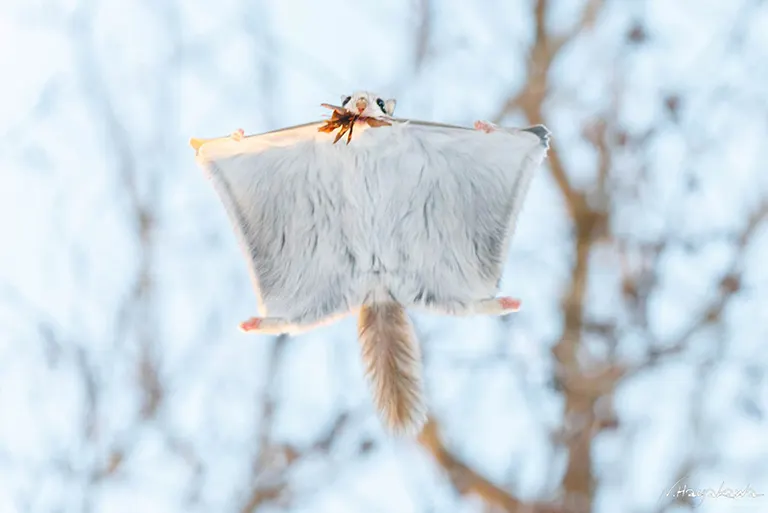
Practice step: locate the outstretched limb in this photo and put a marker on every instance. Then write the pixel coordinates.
(491, 306)
(265, 325)
(486, 126)
(237, 135)
(539, 131)
(278, 325)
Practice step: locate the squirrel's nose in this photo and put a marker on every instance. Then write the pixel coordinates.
(361, 104)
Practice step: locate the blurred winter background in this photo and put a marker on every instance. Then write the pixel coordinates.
(639, 359)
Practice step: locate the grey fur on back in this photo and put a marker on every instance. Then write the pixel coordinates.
(423, 213)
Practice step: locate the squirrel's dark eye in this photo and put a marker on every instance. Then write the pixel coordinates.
(346, 101)
(380, 103)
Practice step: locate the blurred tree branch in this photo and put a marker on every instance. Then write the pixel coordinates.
(587, 384)
(467, 481)
(729, 286)
(588, 391)
(581, 391)
(578, 481)
(423, 33)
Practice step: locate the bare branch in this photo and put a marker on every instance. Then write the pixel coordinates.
(423, 33)
(464, 479)
(730, 284)
(467, 481)
(284, 458)
(531, 98)
(587, 20)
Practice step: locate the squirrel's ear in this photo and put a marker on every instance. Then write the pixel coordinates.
(389, 106)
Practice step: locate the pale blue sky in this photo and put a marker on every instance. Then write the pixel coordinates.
(100, 98)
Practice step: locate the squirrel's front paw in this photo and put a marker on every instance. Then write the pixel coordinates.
(486, 126)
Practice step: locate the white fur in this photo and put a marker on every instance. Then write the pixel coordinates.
(419, 213)
(412, 215)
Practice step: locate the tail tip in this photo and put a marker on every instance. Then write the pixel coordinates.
(407, 428)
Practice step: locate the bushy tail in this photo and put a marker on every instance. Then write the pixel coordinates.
(392, 361)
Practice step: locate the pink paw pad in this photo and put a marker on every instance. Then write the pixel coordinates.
(485, 126)
(508, 303)
(238, 134)
(251, 324)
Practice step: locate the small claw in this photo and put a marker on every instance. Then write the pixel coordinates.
(509, 303)
(238, 134)
(251, 324)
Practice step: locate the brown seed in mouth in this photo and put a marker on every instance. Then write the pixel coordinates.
(345, 121)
